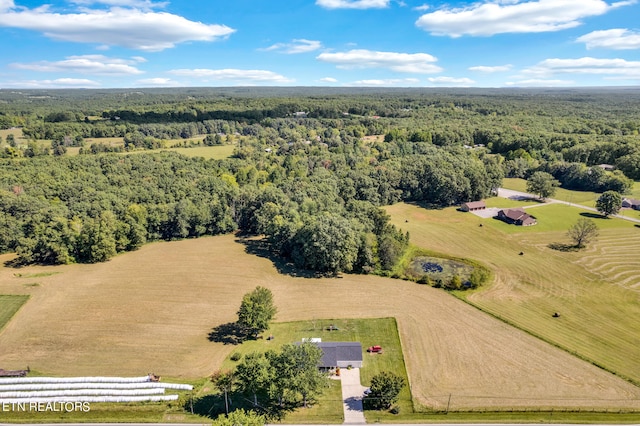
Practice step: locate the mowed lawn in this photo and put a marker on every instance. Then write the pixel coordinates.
(9, 305)
(152, 311)
(585, 198)
(595, 291)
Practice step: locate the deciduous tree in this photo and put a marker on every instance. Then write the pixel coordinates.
(609, 203)
(385, 389)
(583, 232)
(542, 184)
(256, 310)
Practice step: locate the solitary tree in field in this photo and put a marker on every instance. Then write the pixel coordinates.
(583, 232)
(542, 184)
(609, 203)
(256, 310)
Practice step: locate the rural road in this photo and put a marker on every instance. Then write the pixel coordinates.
(517, 195)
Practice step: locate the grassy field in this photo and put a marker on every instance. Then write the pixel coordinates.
(595, 290)
(9, 305)
(152, 311)
(208, 152)
(585, 198)
(17, 133)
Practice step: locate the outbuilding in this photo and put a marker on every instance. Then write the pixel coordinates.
(473, 206)
(630, 203)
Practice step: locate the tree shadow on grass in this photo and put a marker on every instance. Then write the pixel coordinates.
(593, 215)
(563, 247)
(261, 248)
(229, 334)
(212, 406)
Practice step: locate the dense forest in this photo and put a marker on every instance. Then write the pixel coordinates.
(310, 169)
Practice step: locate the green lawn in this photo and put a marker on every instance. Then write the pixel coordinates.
(9, 305)
(368, 332)
(585, 198)
(556, 217)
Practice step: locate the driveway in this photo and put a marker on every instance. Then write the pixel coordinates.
(516, 195)
(352, 393)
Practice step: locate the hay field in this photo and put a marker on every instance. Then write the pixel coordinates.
(151, 311)
(595, 291)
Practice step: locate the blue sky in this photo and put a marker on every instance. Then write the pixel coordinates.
(386, 43)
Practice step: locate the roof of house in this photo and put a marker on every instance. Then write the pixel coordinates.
(518, 215)
(514, 214)
(632, 201)
(332, 352)
(475, 204)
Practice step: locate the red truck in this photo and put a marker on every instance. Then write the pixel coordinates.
(374, 349)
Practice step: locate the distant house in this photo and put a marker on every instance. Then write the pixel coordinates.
(607, 167)
(630, 203)
(473, 206)
(516, 217)
(340, 354)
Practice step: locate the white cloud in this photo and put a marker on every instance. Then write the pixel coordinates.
(158, 82)
(328, 80)
(296, 46)
(585, 66)
(249, 76)
(6, 5)
(87, 64)
(387, 82)
(451, 81)
(420, 63)
(125, 27)
(59, 83)
(617, 39)
(498, 68)
(515, 16)
(142, 4)
(422, 8)
(540, 83)
(353, 4)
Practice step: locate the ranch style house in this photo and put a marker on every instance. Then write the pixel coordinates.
(340, 354)
(516, 217)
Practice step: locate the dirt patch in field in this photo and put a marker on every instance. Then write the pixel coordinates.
(152, 310)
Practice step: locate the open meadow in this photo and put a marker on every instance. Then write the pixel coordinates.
(152, 311)
(596, 291)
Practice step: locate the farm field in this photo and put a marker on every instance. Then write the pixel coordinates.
(152, 310)
(594, 290)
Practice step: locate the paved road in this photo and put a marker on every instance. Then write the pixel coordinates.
(517, 195)
(352, 393)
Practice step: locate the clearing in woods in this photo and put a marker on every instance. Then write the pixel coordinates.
(152, 311)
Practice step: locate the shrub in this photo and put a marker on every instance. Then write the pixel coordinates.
(236, 356)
